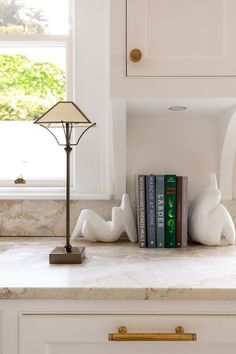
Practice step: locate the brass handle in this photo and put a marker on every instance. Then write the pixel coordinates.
(135, 55)
(179, 335)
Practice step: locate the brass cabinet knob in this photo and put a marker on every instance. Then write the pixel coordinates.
(122, 329)
(135, 55)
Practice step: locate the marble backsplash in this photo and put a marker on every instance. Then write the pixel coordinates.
(47, 217)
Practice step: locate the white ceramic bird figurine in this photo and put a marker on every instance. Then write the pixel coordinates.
(94, 228)
(208, 219)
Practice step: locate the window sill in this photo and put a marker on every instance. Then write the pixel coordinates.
(48, 195)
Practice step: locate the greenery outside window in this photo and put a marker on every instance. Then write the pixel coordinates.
(36, 61)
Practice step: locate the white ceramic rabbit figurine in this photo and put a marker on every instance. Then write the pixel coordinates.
(208, 219)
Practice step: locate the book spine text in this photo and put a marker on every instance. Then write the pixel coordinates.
(141, 210)
(160, 211)
(151, 210)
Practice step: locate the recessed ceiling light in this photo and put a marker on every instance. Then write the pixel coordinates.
(177, 108)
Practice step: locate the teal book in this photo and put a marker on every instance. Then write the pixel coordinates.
(151, 210)
(170, 211)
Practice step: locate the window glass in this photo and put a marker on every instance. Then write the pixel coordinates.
(30, 152)
(33, 77)
(34, 17)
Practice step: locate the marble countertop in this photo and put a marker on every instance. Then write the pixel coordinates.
(118, 271)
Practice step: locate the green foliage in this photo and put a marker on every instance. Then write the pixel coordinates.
(28, 88)
(10, 12)
(14, 29)
(43, 78)
(16, 106)
(16, 18)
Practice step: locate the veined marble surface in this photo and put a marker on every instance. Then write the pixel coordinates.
(117, 271)
(47, 217)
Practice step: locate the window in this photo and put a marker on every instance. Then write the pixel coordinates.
(36, 61)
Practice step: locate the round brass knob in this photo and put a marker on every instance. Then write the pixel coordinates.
(179, 330)
(135, 55)
(122, 329)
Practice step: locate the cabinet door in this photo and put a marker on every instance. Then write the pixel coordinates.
(182, 37)
(88, 334)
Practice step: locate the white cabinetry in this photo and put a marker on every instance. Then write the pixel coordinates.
(188, 53)
(73, 333)
(182, 37)
(71, 327)
(188, 48)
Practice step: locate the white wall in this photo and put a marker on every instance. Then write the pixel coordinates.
(181, 145)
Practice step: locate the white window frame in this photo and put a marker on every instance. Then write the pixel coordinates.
(89, 76)
(46, 189)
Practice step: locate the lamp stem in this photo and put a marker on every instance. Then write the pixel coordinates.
(68, 150)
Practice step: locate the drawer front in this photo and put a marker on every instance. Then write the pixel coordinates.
(88, 334)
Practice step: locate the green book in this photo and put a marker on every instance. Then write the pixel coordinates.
(170, 211)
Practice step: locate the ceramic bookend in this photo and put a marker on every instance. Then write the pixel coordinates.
(208, 219)
(94, 228)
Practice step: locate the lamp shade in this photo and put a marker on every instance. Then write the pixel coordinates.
(61, 113)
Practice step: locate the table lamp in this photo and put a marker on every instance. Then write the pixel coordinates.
(68, 116)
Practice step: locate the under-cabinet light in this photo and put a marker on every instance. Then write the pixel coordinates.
(177, 108)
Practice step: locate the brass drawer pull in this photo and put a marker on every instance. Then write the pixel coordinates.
(135, 55)
(179, 335)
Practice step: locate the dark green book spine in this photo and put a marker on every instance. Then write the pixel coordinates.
(170, 211)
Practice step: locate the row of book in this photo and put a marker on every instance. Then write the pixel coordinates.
(162, 210)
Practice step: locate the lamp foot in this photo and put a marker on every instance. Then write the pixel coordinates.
(60, 256)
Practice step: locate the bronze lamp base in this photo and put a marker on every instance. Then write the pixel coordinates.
(60, 256)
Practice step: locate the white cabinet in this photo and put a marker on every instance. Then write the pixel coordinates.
(188, 53)
(83, 326)
(182, 37)
(74, 333)
(188, 48)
